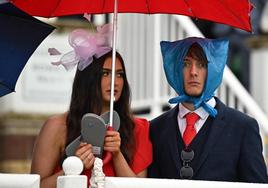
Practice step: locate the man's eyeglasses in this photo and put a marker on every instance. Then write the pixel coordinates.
(186, 171)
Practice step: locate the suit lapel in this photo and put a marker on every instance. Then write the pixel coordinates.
(174, 143)
(216, 128)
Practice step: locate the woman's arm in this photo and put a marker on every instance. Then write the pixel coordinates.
(122, 168)
(112, 144)
(48, 148)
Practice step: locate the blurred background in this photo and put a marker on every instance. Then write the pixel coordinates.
(43, 89)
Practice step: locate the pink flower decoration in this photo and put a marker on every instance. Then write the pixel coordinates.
(86, 45)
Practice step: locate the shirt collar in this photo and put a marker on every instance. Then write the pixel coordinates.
(202, 113)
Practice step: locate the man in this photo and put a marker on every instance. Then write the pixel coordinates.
(201, 138)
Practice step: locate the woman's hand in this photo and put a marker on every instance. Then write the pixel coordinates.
(84, 152)
(112, 142)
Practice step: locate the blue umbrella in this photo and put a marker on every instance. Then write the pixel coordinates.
(20, 35)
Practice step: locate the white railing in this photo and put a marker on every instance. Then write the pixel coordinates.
(115, 182)
(73, 166)
(19, 180)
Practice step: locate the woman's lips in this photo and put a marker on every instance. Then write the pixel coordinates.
(109, 91)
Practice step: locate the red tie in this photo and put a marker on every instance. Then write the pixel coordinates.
(190, 131)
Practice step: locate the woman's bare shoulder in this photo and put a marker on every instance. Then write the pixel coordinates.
(55, 127)
(49, 145)
(56, 120)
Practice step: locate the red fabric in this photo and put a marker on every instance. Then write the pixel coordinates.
(230, 12)
(190, 131)
(142, 156)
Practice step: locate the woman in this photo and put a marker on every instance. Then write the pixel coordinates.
(130, 147)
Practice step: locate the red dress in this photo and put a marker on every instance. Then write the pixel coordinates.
(142, 156)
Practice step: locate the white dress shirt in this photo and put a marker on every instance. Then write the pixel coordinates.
(200, 111)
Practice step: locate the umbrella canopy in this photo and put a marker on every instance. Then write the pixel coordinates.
(20, 35)
(230, 12)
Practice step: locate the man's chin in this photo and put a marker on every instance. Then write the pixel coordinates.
(194, 94)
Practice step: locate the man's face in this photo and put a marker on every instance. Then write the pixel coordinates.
(194, 74)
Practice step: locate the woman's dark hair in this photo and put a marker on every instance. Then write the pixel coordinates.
(87, 98)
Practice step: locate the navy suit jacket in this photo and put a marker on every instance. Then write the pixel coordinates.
(227, 148)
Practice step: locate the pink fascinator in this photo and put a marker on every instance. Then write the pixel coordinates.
(86, 45)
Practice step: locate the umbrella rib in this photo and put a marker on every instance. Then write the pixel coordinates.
(53, 12)
(147, 5)
(189, 8)
(103, 4)
(233, 13)
(5, 85)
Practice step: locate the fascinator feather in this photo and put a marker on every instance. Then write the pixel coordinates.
(86, 45)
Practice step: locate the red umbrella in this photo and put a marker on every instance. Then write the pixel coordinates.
(231, 12)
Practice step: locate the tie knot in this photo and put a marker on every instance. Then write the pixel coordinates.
(191, 118)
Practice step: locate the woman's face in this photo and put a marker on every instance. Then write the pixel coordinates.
(106, 80)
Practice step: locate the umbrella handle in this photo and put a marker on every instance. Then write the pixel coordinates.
(107, 156)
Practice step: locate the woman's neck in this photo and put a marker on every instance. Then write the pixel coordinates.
(105, 108)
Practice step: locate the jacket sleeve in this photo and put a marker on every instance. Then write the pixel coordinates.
(252, 167)
(143, 155)
(153, 171)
